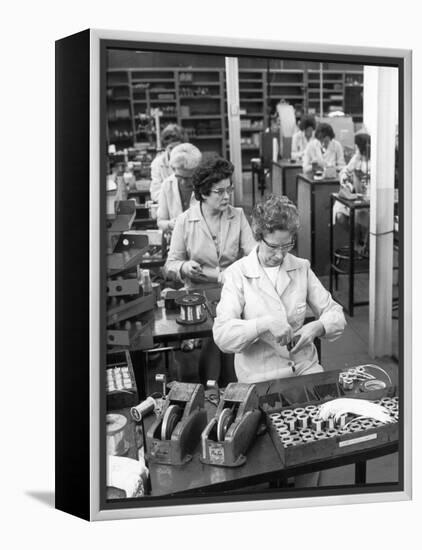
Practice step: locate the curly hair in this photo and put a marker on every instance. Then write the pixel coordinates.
(210, 171)
(324, 130)
(185, 156)
(363, 143)
(173, 133)
(276, 213)
(307, 121)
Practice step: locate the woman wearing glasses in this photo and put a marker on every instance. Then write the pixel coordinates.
(211, 234)
(263, 303)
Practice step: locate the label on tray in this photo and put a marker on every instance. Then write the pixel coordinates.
(356, 440)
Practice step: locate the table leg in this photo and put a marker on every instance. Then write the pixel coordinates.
(360, 472)
(351, 261)
(331, 243)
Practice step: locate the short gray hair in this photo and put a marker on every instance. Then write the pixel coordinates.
(276, 213)
(185, 157)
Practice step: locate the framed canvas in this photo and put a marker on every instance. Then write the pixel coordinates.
(178, 388)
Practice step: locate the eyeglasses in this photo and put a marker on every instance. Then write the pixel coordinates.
(220, 192)
(283, 247)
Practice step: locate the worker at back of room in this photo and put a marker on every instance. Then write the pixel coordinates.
(323, 151)
(264, 300)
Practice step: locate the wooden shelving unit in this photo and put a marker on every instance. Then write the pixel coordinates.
(196, 99)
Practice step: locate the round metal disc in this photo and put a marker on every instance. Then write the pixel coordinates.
(224, 421)
(171, 418)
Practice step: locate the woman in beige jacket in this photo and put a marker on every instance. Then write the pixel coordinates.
(211, 234)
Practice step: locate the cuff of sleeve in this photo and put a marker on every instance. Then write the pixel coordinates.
(331, 329)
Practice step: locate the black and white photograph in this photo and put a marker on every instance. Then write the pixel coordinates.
(251, 284)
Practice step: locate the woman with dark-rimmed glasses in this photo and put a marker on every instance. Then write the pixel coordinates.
(211, 234)
(263, 303)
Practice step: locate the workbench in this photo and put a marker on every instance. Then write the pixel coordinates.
(283, 178)
(263, 462)
(313, 204)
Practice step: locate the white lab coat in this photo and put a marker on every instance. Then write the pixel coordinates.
(248, 294)
(332, 156)
(170, 203)
(299, 144)
(160, 170)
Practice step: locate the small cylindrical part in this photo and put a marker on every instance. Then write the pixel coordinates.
(330, 423)
(144, 408)
(302, 421)
(320, 435)
(299, 411)
(347, 383)
(291, 423)
(342, 420)
(331, 433)
(288, 413)
(310, 408)
(317, 424)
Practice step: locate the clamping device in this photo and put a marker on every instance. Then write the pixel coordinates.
(229, 434)
(177, 429)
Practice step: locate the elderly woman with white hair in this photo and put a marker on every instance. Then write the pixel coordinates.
(176, 194)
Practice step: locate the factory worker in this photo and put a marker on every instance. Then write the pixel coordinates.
(301, 138)
(323, 151)
(264, 298)
(211, 234)
(207, 238)
(176, 194)
(355, 178)
(171, 136)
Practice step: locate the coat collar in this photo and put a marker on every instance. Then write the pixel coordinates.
(252, 269)
(195, 214)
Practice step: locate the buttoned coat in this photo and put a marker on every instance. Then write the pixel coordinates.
(170, 203)
(192, 240)
(248, 294)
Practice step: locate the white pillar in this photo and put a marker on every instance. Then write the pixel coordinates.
(233, 115)
(380, 118)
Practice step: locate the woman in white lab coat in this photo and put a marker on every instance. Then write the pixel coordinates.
(264, 300)
(176, 194)
(207, 238)
(172, 135)
(323, 151)
(301, 138)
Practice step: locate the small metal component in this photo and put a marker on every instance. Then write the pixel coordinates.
(170, 419)
(283, 430)
(352, 373)
(317, 424)
(291, 423)
(331, 433)
(296, 440)
(294, 433)
(348, 383)
(299, 411)
(275, 416)
(163, 379)
(310, 408)
(288, 444)
(286, 438)
(305, 431)
(343, 375)
(320, 435)
(330, 423)
(223, 424)
(342, 420)
(360, 370)
(213, 385)
(288, 413)
(302, 421)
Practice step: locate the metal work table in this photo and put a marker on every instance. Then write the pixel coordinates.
(283, 178)
(352, 256)
(263, 462)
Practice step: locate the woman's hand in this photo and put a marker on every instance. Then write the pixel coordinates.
(171, 224)
(192, 270)
(306, 335)
(279, 328)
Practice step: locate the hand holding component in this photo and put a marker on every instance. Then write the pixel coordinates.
(279, 328)
(306, 335)
(192, 269)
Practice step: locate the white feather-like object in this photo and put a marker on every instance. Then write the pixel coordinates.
(359, 407)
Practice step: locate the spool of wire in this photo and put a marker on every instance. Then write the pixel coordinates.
(331, 423)
(299, 411)
(302, 421)
(192, 311)
(342, 420)
(317, 424)
(288, 413)
(142, 409)
(115, 430)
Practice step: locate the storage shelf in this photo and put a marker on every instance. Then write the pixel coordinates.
(200, 117)
(207, 136)
(199, 96)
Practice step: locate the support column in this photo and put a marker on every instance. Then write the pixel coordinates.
(233, 115)
(380, 118)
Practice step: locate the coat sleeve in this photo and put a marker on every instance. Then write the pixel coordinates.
(247, 242)
(308, 157)
(329, 312)
(156, 179)
(163, 213)
(232, 334)
(177, 253)
(340, 162)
